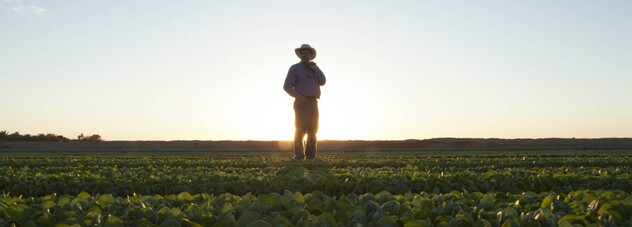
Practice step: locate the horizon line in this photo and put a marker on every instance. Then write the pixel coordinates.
(434, 138)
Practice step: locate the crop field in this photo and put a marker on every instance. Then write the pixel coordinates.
(512, 188)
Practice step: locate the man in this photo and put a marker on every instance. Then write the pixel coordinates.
(303, 82)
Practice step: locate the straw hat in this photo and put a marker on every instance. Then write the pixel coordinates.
(305, 47)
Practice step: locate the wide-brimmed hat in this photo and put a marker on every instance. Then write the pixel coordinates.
(305, 47)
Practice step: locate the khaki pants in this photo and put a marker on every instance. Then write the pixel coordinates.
(306, 122)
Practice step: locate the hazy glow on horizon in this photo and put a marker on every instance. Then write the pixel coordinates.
(214, 70)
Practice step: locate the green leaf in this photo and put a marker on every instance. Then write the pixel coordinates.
(170, 223)
(416, 223)
(286, 202)
(226, 209)
(15, 212)
(607, 206)
(372, 207)
(163, 211)
(63, 201)
(259, 223)
(247, 218)
(105, 200)
(483, 223)
(267, 199)
(48, 205)
(83, 195)
(564, 223)
(143, 222)
(574, 219)
(546, 203)
(281, 221)
(442, 218)
(326, 220)
(176, 212)
(300, 216)
(511, 223)
(30, 223)
(392, 207)
(113, 221)
(191, 223)
(185, 196)
(386, 221)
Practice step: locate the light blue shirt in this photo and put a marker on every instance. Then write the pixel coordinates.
(301, 80)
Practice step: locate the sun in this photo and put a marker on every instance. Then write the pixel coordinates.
(274, 120)
(265, 111)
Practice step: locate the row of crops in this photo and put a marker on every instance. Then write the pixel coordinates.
(409, 190)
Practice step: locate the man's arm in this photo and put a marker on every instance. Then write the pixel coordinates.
(288, 86)
(320, 76)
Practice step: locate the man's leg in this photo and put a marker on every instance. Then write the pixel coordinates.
(298, 145)
(311, 147)
(300, 123)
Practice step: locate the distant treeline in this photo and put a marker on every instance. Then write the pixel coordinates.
(16, 136)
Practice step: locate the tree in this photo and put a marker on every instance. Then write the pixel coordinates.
(94, 137)
(16, 136)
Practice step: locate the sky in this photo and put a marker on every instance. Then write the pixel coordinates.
(214, 70)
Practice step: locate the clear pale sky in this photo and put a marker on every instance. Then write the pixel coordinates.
(214, 70)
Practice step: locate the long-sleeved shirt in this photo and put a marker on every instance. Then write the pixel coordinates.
(301, 80)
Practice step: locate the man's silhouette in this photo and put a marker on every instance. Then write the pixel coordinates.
(303, 82)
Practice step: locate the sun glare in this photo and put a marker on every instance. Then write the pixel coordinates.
(271, 116)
